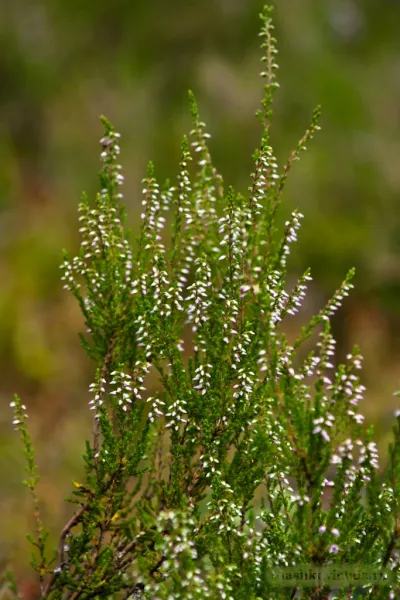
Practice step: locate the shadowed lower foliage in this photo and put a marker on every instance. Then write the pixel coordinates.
(254, 454)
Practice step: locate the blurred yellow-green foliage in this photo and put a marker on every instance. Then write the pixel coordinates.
(64, 62)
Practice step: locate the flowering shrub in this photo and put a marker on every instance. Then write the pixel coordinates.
(253, 455)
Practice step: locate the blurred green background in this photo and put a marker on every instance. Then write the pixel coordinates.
(65, 62)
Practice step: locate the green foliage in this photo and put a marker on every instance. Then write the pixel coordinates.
(197, 491)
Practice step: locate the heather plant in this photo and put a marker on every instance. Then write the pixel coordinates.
(253, 455)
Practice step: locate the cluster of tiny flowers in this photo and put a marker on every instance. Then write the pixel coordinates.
(321, 423)
(210, 465)
(356, 416)
(230, 226)
(269, 44)
(200, 292)
(244, 289)
(260, 549)
(327, 345)
(273, 553)
(20, 414)
(176, 529)
(175, 295)
(184, 271)
(239, 348)
(249, 553)
(277, 436)
(348, 384)
(102, 231)
(181, 525)
(156, 403)
(231, 311)
(336, 301)
(200, 144)
(328, 483)
(334, 531)
(96, 231)
(142, 335)
(226, 513)
(202, 214)
(164, 293)
(152, 207)
(278, 299)
(356, 360)
(298, 294)
(100, 227)
(344, 450)
(77, 267)
(309, 368)
(284, 489)
(265, 175)
(97, 283)
(208, 178)
(369, 455)
(333, 548)
(128, 266)
(189, 243)
(290, 236)
(175, 413)
(123, 388)
(262, 360)
(159, 283)
(386, 495)
(271, 164)
(142, 368)
(184, 187)
(125, 254)
(108, 156)
(354, 393)
(301, 500)
(153, 220)
(202, 376)
(142, 283)
(245, 386)
(97, 389)
(284, 361)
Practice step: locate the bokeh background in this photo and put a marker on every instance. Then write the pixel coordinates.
(65, 62)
